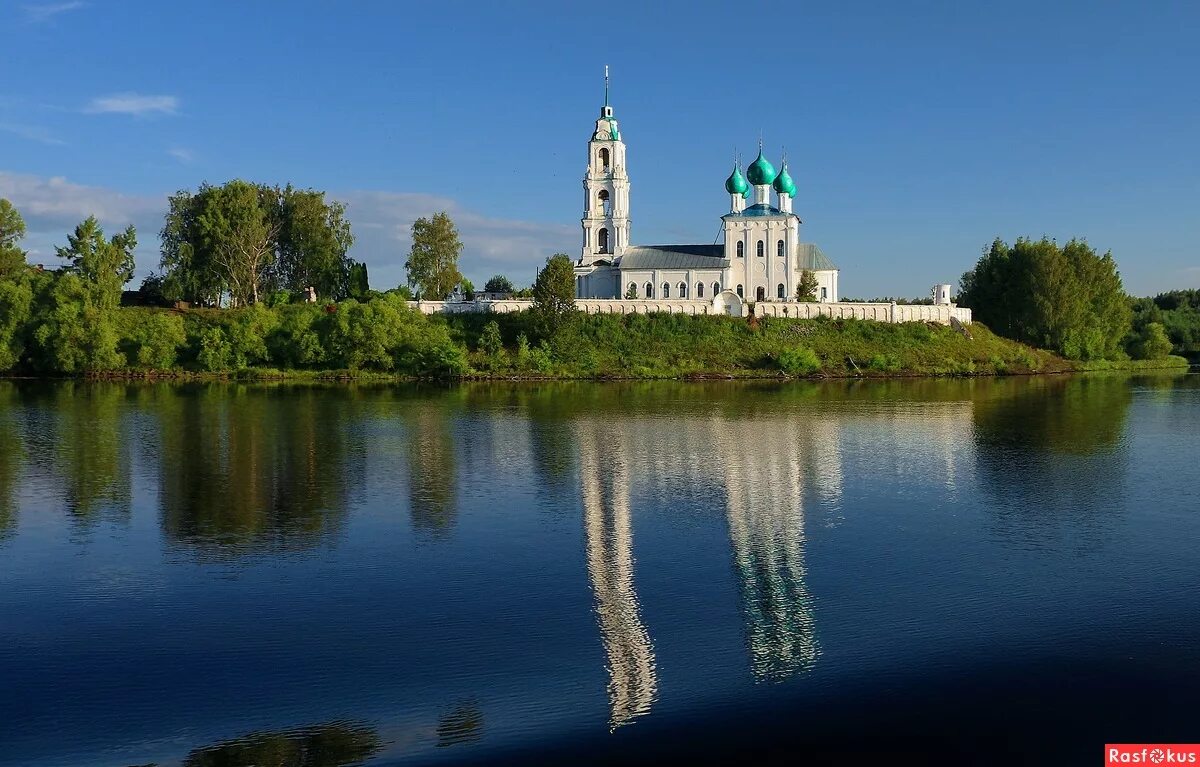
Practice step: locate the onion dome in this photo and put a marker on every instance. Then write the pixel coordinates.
(783, 182)
(761, 171)
(736, 183)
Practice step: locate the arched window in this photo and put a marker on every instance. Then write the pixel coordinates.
(779, 291)
(762, 250)
(716, 288)
(666, 290)
(699, 290)
(606, 204)
(649, 290)
(760, 293)
(779, 248)
(683, 290)
(604, 159)
(739, 292)
(741, 249)
(603, 240)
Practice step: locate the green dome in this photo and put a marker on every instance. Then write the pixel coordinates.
(736, 183)
(783, 182)
(761, 171)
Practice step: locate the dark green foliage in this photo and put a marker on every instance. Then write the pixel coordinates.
(105, 265)
(1068, 299)
(74, 328)
(12, 231)
(357, 282)
(433, 260)
(554, 294)
(248, 240)
(499, 284)
(1178, 312)
(490, 342)
(16, 303)
(806, 289)
(155, 341)
(1151, 343)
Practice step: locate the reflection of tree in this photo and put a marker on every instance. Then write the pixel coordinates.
(253, 467)
(633, 680)
(89, 446)
(463, 724)
(329, 745)
(11, 454)
(765, 468)
(1050, 450)
(431, 467)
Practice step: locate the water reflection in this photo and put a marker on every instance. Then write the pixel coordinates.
(327, 745)
(768, 466)
(432, 481)
(462, 724)
(604, 484)
(245, 468)
(1051, 454)
(12, 450)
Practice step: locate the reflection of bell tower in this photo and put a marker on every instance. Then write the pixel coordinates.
(606, 190)
(633, 680)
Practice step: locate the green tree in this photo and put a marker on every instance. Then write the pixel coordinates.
(189, 270)
(313, 239)
(106, 264)
(16, 301)
(631, 292)
(433, 261)
(554, 294)
(357, 284)
(156, 341)
(1068, 299)
(499, 284)
(1151, 343)
(468, 289)
(806, 289)
(490, 341)
(240, 225)
(74, 330)
(12, 231)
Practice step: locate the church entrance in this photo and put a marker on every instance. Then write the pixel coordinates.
(760, 293)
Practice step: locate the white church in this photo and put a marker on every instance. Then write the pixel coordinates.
(761, 258)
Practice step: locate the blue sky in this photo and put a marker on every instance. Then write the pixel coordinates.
(916, 132)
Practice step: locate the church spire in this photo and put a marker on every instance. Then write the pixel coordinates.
(606, 85)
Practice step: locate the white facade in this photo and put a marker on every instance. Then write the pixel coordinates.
(761, 259)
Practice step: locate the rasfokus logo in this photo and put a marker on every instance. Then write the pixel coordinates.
(1151, 753)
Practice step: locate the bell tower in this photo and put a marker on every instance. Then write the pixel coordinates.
(606, 190)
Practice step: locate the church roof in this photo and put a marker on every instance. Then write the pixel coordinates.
(760, 209)
(810, 257)
(673, 257)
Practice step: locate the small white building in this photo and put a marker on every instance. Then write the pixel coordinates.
(761, 258)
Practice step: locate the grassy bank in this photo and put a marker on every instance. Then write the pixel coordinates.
(385, 341)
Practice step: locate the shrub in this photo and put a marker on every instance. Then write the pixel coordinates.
(1151, 343)
(884, 363)
(156, 341)
(799, 361)
(490, 342)
(215, 352)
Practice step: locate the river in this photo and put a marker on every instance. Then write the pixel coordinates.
(227, 574)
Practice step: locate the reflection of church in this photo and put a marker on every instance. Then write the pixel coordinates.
(766, 530)
(761, 258)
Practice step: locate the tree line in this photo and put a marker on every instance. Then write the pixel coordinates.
(1065, 298)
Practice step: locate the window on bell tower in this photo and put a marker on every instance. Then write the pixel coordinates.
(603, 240)
(605, 202)
(741, 249)
(604, 163)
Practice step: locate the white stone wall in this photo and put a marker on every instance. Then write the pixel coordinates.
(879, 312)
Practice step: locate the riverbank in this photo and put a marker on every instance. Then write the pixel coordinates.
(385, 341)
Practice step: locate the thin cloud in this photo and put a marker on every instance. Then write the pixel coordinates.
(185, 156)
(32, 133)
(135, 104)
(42, 12)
